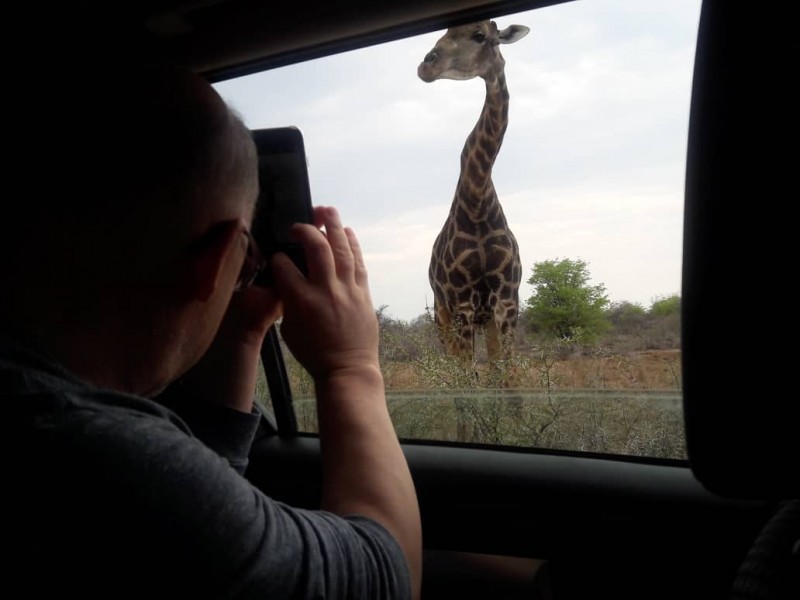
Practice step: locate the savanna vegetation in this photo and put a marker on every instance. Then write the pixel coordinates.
(587, 374)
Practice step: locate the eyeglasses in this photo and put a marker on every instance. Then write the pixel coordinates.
(252, 265)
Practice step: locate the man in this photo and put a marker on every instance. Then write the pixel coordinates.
(128, 271)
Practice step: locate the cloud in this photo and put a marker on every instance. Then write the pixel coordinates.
(397, 252)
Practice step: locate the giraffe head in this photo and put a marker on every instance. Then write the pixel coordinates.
(469, 51)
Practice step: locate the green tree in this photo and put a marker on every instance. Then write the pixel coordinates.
(665, 306)
(563, 305)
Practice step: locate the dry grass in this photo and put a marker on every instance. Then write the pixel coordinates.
(644, 370)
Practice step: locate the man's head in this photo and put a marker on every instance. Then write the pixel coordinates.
(141, 186)
(149, 149)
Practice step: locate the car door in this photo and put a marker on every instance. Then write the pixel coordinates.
(575, 482)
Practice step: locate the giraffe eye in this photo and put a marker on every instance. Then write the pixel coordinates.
(479, 37)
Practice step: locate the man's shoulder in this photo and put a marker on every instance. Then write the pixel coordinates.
(96, 413)
(97, 436)
(100, 448)
(54, 419)
(39, 395)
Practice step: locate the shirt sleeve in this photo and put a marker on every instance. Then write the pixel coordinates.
(227, 431)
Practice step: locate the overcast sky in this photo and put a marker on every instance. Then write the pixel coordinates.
(592, 166)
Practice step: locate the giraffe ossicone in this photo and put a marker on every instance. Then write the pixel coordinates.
(475, 268)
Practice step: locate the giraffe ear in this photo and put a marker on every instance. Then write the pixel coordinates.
(512, 33)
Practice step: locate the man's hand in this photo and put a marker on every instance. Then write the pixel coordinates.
(226, 375)
(250, 314)
(329, 322)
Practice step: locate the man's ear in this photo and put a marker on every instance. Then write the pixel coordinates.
(208, 258)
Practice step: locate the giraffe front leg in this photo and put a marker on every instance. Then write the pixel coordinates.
(455, 332)
(498, 366)
(463, 339)
(500, 339)
(457, 339)
(464, 342)
(449, 329)
(506, 324)
(464, 349)
(493, 345)
(500, 347)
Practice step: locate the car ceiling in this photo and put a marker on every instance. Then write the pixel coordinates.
(229, 38)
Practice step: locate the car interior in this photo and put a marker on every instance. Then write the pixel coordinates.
(566, 524)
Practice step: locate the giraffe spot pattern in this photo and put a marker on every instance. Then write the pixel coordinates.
(457, 278)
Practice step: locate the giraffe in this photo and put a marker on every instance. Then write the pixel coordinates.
(475, 269)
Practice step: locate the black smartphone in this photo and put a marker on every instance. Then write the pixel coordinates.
(284, 196)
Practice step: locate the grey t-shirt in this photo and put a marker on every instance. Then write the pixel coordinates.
(113, 495)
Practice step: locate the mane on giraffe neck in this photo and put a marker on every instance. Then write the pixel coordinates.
(475, 191)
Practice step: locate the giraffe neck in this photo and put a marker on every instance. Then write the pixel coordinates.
(475, 192)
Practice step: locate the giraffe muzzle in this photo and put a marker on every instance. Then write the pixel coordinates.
(426, 70)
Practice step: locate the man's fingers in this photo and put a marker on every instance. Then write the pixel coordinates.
(319, 258)
(319, 216)
(332, 254)
(286, 275)
(358, 257)
(339, 243)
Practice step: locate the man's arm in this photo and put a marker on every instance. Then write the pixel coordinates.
(364, 469)
(330, 326)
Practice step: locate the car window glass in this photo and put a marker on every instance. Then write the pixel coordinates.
(590, 177)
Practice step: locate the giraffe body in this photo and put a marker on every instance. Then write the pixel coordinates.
(475, 269)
